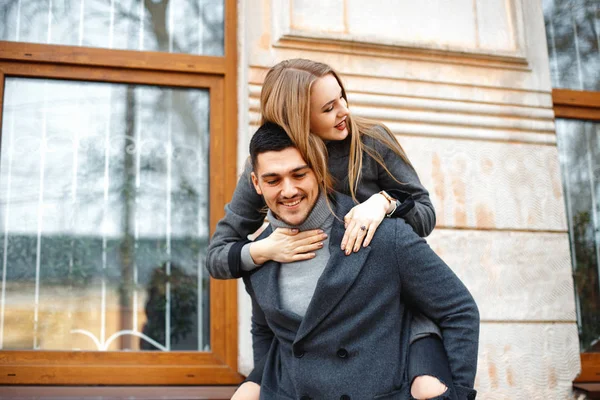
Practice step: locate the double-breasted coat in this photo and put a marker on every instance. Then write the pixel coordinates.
(353, 341)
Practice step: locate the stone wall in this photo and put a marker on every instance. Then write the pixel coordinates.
(465, 87)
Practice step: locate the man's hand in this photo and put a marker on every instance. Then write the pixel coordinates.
(287, 245)
(247, 391)
(362, 222)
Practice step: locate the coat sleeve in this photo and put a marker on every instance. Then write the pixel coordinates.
(243, 216)
(416, 208)
(432, 287)
(262, 337)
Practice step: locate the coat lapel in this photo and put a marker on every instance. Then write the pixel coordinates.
(337, 278)
(264, 285)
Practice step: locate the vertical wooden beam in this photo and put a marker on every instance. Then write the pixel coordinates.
(2, 83)
(230, 163)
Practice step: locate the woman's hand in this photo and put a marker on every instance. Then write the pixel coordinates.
(247, 391)
(287, 245)
(362, 222)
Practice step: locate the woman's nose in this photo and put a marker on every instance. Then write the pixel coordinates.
(343, 110)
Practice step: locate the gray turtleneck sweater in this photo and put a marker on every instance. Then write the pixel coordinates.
(298, 280)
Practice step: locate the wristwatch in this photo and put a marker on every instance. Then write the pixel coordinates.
(391, 200)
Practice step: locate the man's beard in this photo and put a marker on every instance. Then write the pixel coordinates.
(307, 215)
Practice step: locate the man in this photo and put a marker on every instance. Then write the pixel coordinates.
(336, 326)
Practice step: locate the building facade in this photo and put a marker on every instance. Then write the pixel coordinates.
(125, 125)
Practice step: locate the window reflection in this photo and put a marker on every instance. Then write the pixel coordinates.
(174, 26)
(572, 30)
(104, 216)
(579, 152)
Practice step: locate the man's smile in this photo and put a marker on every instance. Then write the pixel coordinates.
(291, 203)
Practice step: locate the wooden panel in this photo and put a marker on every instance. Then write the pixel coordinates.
(135, 368)
(590, 368)
(118, 392)
(2, 84)
(574, 104)
(229, 166)
(104, 74)
(223, 311)
(87, 56)
(592, 390)
(156, 374)
(576, 98)
(574, 112)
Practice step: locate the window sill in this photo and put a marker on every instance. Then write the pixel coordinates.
(118, 392)
(588, 380)
(591, 389)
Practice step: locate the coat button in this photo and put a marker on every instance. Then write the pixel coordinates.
(342, 353)
(299, 353)
(344, 397)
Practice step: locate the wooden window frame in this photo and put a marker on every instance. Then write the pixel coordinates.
(580, 105)
(217, 74)
(575, 104)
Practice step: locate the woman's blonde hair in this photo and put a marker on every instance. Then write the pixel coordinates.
(285, 100)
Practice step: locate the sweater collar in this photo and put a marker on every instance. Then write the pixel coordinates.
(320, 217)
(338, 148)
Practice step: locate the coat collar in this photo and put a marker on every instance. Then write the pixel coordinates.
(337, 278)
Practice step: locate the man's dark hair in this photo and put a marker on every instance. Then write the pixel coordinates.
(269, 137)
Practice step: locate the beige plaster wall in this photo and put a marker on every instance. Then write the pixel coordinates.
(465, 87)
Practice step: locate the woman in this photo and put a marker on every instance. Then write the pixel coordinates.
(309, 101)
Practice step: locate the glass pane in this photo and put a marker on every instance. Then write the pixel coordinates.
(579, 153)
(103, 216)
(572, 31)
(174, 26)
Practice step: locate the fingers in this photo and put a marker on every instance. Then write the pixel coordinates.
(360, 236)
(356, 237)
(297, 247)
(349, 224)
(303, 256)
(370, 233)
(309, 248)
(287, 231)
(316, 233)
(355, 233)
(311, 236)
(348, 217)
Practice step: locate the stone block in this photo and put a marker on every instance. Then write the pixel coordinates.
(524, 276)
(490, 185)
(527, 361)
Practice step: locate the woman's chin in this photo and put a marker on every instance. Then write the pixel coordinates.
(340, 135)
(334, 134)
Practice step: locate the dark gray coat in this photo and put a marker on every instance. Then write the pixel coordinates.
(245, 213)
(354, 337)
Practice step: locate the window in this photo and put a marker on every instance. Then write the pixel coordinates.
(115, 120)
(573, 40)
